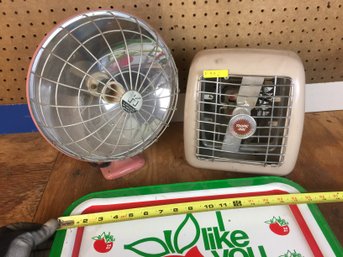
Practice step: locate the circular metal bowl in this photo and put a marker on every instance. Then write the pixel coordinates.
(102, 86)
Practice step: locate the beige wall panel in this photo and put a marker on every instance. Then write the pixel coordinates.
(313, 29)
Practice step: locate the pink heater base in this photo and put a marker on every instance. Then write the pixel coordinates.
(121, 168)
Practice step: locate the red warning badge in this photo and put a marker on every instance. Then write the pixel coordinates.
(242, 126)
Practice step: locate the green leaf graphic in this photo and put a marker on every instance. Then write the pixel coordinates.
(107, 237)
(168, 239)
(282, 222)
(189, 220)
(291, 254)
(133, 247)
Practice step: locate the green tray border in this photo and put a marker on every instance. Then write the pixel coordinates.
(190, 186)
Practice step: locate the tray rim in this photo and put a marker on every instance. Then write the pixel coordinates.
(58, 242)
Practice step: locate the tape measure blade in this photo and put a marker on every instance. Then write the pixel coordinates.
(197, 206)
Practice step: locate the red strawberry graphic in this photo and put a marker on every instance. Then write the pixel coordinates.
(278, 229)
(193, 252)
(279, 226)
(103, 243)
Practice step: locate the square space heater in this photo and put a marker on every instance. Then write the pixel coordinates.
(244, 110)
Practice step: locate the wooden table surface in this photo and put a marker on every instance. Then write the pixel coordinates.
(38, 183)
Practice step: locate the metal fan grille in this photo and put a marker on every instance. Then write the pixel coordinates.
(217, 100)
(102, 86)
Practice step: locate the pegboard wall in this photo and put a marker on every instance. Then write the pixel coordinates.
(313, 29)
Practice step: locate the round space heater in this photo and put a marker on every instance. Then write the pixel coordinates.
(102, 87)
(244, 110)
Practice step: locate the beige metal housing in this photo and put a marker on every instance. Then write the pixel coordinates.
(250, 64)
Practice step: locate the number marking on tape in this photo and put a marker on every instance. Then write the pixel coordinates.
(196, 206)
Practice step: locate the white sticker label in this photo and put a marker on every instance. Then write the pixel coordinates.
(131, 101)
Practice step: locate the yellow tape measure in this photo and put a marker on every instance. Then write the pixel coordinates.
(197, 206)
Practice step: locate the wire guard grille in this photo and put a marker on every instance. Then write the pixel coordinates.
(268, 102)
(102, 86)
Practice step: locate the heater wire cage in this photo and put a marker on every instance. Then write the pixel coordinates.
(102, 86)
(216, 102)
